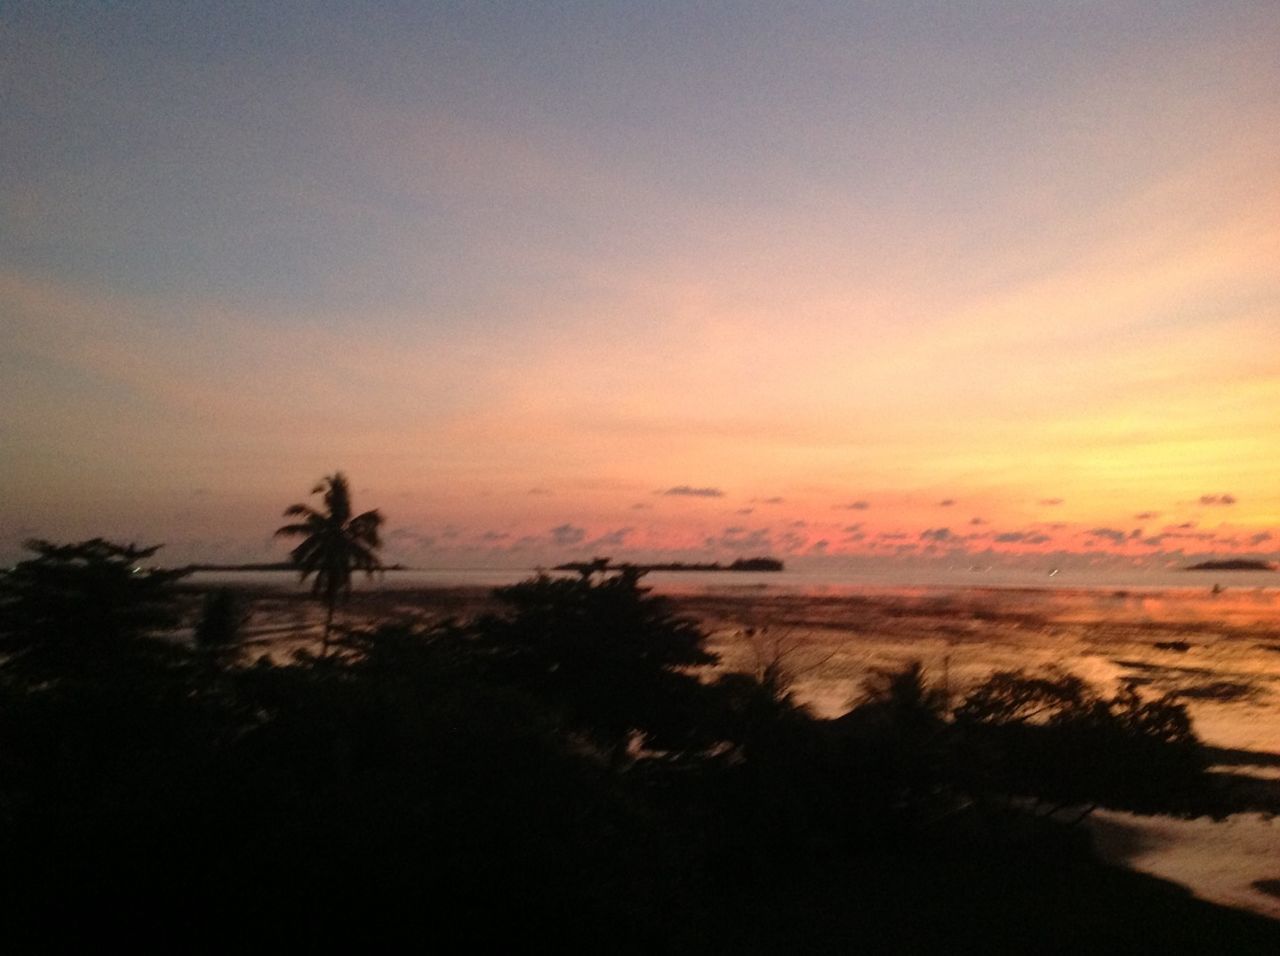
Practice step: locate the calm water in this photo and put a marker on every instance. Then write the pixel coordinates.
(806, 580)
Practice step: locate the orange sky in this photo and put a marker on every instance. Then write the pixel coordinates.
(521, 278)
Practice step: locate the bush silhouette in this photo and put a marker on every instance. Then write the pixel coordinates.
(220, 629)
(610, 655)
(76, 607)
(1054, 738)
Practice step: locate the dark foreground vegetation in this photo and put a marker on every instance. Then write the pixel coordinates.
(572, 771)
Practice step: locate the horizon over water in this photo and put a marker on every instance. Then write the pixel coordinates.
(805, 579)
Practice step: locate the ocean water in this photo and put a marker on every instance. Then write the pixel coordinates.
(809, 580)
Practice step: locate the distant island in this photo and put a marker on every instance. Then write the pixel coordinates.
(267, 566)
(742, 564)
(1233, 565)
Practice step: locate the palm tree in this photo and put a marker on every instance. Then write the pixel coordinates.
(334, 544)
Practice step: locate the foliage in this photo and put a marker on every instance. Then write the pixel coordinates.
(220, 628)
(427, 772)
(897, 747)
(609, 654)
(1054, 738)
(335, 543)
(75, 607)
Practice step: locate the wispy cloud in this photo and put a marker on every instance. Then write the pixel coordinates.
(567, 534)
(737, 538)
(1217, 499)
(612, 539)
(1111, 534)
(1022, 537)
(689, 491)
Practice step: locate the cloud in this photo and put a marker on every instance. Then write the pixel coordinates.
(567, 534)
(409, 538)
(539, 491)
(686, 491)
(946, 502)
(612, 539)
(493, 536)
(1146, 516)
(791, 541)
(819, 547)
(1217, 499)
(798, 524)
(737, 538)
(1260, 537)
(1050, 502)
(892, 536)
(936, 534)
(851, 528)
(744, 511)
(855, 506)
(977, 521)
(640, 506)
(775, 500)
(1111, 534)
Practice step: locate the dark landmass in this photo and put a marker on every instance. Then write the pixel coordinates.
(267, 566)
(741, 564)
(571, 765)
(1237, 564)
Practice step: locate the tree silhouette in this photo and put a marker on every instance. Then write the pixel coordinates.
(334, 544)
(613, 656)
(1055, 738)
(79, 606)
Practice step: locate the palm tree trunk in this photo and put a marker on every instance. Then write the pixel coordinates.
(328, 626)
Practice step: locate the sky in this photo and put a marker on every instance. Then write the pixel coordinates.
(830, 281)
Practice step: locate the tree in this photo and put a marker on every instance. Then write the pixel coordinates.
(220, 629)
(612, 656)
(1054, 738)
(334, 544)
(75, 607)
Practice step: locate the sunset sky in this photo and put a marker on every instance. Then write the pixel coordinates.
(871, 280)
